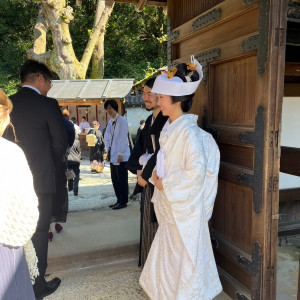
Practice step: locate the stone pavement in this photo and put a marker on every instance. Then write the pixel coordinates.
(95, 190)
(96, 253)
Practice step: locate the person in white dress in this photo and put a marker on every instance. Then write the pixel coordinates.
(18, 217)
(181, 264)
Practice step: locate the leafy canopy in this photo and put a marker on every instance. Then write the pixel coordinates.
(135, 43)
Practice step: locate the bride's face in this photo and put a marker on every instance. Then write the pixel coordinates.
(166, 105)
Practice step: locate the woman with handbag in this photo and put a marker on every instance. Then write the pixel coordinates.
(18, 217)
(96, 144)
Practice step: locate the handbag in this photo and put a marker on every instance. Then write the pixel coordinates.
(108, 154)
(70, 174)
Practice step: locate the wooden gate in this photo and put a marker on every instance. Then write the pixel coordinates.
(241, 46)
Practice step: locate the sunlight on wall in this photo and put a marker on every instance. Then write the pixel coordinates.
(290, 136)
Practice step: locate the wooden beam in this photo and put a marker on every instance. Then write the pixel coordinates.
(290, 160)
(298, 298)
(149, 2)
(81, 102)
(289, 195)
(141, 4)
(292, 89)
(292, 69)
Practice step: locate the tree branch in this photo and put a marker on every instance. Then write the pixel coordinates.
(42, 58)
(40, 31)
(100, 27)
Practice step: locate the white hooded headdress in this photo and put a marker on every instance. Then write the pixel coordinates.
(175, 86)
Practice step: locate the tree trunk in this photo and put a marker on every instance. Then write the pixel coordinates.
(62, 59)
(40, 31)
(98, 54)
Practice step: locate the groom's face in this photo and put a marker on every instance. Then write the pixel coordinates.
(149, 98)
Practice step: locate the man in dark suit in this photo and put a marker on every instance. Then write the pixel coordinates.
(41, 133)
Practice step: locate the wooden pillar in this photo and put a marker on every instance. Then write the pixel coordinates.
(77, 113)
(97, 113)
(298, 298)
(87, 114)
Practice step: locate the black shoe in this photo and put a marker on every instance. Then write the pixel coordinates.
(119, 206)
(51, 287)
(75, 193)
(113, 205)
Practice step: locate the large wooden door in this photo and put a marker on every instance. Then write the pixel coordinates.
(241, 45)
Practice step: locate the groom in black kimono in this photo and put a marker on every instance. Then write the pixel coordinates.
(146, 148)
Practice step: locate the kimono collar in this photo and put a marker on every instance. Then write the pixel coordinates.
(183, 120)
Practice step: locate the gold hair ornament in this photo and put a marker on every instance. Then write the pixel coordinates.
(171, 73)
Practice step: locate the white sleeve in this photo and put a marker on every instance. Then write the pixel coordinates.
(19, 207)
(107, 135)
(121, 136)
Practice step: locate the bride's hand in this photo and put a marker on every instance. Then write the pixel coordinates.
(157, 181)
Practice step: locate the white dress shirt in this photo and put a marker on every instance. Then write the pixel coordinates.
(116, 137)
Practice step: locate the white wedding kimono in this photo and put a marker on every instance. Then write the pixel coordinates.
(181, 264)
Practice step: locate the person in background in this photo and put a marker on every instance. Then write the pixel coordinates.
(61, 201)
(77, 128)
(181, 263)
(18, 216)
(97, 150)
(116, 139)
(74, 164)
(142, 162)
(141, 127)
(84, 125)
(42, 136)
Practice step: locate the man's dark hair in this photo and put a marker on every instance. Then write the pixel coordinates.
(32, 68)
(83, 118)
(112, 103)
(142, 122)
(74, 120)
(149, 83)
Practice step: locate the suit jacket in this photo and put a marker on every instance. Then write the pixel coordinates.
(41, 133)
(144, 144)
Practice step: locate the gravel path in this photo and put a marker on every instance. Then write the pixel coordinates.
(95, 190)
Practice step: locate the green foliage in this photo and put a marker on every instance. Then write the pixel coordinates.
(135, 43)
(17, 18)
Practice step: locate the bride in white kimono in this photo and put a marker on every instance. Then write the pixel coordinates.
(181, 264)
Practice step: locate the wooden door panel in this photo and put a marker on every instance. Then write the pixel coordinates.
(230, 105)
(234, 201)
(234, 270)
(240, 155)
(230, 30)
(239, 45)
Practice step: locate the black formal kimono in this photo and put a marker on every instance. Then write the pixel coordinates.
(144, 145)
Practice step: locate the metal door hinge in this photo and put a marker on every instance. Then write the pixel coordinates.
(270, 273)
(273, 184)
(279, 37)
